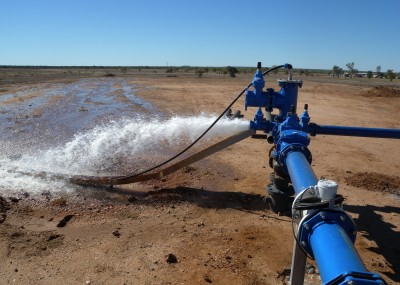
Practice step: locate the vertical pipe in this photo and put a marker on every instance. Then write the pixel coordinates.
(334, 252)
(300, 171)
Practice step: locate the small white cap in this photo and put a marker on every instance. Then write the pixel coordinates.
(327, 189)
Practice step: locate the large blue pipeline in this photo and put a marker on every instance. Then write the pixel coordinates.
(325, 232)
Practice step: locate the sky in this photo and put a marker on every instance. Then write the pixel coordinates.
(306, 33)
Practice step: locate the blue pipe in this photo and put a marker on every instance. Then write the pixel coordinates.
(300, 171)
(333, 251)
(355, 131)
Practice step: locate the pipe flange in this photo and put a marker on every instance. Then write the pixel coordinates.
(311, 221)
(295, 147)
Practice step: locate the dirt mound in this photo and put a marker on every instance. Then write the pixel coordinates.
(375, 182)
(381, 91)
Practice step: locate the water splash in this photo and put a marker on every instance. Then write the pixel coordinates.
(121, 147)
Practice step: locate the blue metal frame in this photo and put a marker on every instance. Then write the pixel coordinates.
(326, 234)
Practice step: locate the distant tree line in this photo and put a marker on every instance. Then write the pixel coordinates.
(337, 71)
(353, 72)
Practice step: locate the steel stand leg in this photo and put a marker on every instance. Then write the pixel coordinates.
(298, 270)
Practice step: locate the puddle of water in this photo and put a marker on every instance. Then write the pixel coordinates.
(75, 109)
(130, 94)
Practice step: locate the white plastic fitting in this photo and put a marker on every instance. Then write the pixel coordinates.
(327, 189)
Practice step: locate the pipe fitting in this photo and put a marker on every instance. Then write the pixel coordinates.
(312, 221)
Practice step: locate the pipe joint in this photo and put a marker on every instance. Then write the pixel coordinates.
(293, 147)
(312, 221)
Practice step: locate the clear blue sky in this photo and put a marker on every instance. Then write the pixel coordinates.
(307, 34)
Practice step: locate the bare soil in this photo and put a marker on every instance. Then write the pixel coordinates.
(208, 223)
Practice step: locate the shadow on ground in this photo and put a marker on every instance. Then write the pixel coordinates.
(373, 227)
(202, 198)
(198, 196)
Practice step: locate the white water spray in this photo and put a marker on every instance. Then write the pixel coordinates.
(124, 147)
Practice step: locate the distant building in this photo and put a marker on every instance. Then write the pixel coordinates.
(359, 74)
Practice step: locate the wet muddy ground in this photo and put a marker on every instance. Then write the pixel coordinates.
(43, 115)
